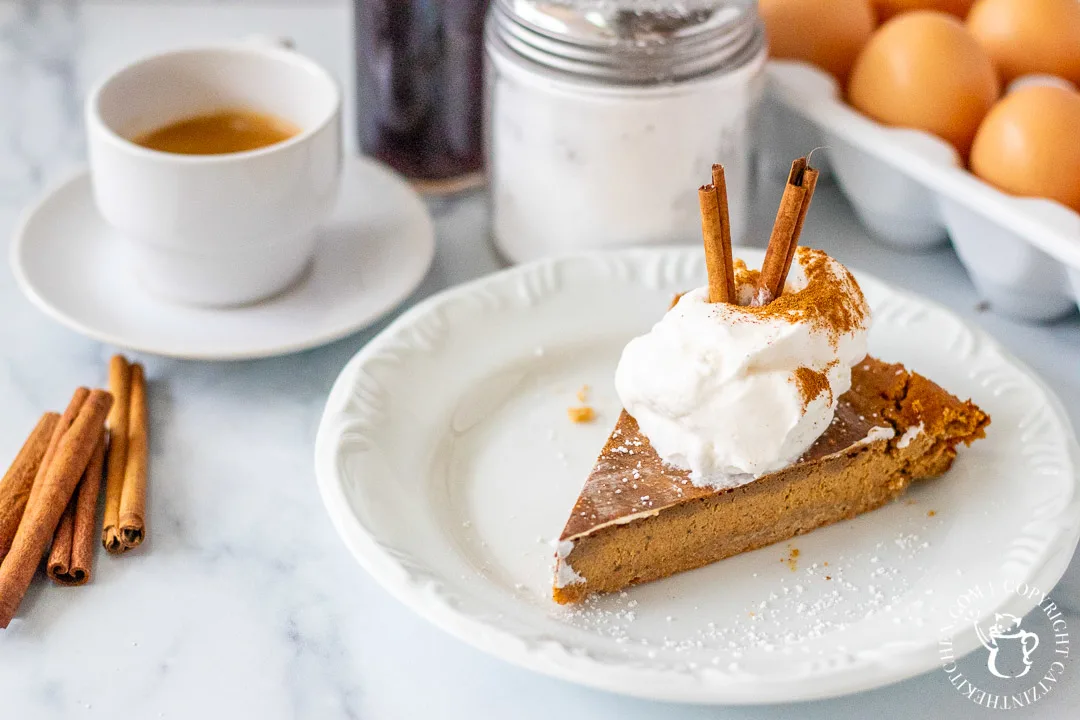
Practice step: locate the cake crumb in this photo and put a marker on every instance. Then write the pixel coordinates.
(583, 414)
(583, 394)
(931, 513)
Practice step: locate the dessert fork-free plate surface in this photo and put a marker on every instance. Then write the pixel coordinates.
(447, 462)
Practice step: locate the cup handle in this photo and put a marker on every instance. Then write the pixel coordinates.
(273, 41)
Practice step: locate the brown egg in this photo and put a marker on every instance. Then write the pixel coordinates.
(1030, 36)
(827, 33)
(1027, 145)
(924, 70)
(887, 8)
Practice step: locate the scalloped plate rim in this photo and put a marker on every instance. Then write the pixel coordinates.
(552, 658)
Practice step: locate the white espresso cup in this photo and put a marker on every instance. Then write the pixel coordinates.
(216, 230)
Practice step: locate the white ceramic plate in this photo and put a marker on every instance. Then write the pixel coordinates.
(373, 252)
(446, 460)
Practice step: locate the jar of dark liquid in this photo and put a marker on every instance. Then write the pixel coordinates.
(420, 67)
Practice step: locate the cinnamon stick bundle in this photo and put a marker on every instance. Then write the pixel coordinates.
(53, 489)
(71, 560)
(125, 486)
(794, 204)
(19, 479)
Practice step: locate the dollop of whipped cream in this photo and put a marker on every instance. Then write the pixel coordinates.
(732, 392)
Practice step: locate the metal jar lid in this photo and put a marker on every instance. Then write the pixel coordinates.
(629, 42)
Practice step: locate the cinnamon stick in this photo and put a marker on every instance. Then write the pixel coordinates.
(133, 499)
(48, 501)
(70, 413)
(799, 191)
(19, 479)
(810, 177)
(120, 387)
(71, 561)
(720, 182)
(721, 287)
(59, 562)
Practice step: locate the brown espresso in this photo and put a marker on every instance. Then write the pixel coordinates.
(225, 131)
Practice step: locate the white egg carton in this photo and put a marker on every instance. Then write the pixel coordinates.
(912, 191)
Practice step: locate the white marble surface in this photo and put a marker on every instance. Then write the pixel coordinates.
(244, 603)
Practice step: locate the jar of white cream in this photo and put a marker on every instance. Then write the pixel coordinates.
(603, 116)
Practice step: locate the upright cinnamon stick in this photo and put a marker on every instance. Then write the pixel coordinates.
(19, 479)
(71, 560)
(787, 227)
(116, 463)
(133, 499)
(716, 233)
(48, 501)
(809, 183)
(720, 182)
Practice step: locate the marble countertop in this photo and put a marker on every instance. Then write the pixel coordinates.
(244, 603)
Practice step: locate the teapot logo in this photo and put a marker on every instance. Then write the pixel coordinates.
(1022, 665)
(1006, 636)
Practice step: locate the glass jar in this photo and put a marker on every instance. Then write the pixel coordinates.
(420, 78)
(605, 117)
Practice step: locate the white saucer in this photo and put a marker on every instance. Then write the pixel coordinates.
(373, 252)
(446, 460)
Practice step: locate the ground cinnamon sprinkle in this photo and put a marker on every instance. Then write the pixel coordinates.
(824, 302)
(811, 383)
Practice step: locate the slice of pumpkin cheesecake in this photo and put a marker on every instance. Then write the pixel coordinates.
(752, 414)
(638, 519)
